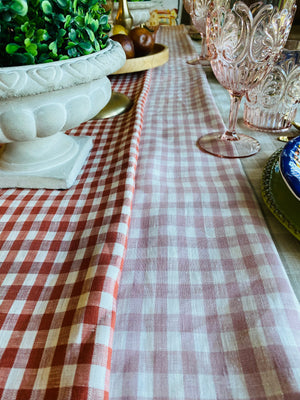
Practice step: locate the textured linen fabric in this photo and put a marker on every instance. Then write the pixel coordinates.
(205, 310)
(287, 245)
(61, 256)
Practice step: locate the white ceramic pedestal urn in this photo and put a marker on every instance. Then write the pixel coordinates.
(139, 10)
(38, 103)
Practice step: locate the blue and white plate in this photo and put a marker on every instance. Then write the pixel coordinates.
(290, 165)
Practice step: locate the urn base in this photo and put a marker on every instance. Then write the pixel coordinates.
(38, 104)
(39, 169)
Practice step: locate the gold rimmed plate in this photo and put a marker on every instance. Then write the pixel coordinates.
(278, 198)
(290, 166)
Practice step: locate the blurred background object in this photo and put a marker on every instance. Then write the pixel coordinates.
(295, 31)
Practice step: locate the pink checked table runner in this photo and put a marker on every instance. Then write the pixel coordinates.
(205, 310)
(61, 256)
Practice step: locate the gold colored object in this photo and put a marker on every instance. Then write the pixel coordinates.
(123, 16)
(296, 124)
(119, 29)
(288, 138)
(118, 104)
(158, 56)
(285, 138)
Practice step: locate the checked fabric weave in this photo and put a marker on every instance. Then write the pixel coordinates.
(61, 255)
(204, 310)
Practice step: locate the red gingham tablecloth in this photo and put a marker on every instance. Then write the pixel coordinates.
(205, 310)
(61, 255)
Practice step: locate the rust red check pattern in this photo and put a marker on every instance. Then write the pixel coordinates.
(61, 256)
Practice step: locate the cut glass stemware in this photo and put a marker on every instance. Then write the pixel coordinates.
(199, 15)
(198, 11)
(244, 40)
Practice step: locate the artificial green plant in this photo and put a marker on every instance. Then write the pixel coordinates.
(38, 31)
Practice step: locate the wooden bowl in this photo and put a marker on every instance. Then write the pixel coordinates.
(158, 56)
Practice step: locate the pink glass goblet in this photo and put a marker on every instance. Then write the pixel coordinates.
(272, 105)
(199, 15)
(244, 41)
(189, 5)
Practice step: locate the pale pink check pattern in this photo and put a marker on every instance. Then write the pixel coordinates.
(61, 256)
(205, 310)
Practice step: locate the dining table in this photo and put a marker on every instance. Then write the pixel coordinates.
(161, 273)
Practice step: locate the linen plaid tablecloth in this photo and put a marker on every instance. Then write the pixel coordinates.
(61, 256)
(204, 310)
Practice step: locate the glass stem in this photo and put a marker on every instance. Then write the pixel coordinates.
(230, 133)
(203, 46)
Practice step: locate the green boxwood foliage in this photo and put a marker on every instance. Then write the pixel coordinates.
(38, 31)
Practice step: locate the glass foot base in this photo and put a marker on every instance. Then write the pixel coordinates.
(285, 139)
(244, 147)
(199, 61)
